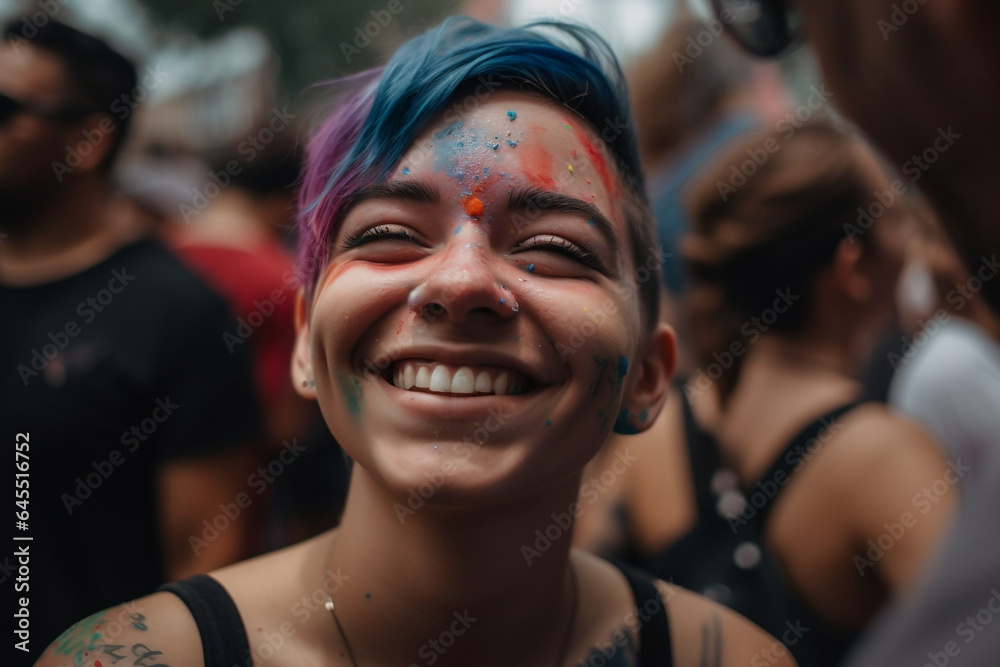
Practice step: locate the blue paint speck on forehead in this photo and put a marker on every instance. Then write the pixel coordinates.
(591, 222)
(458, 229)
(406, 171)
(548, 422)
(531, 268)
(511, 143)
(622, 366)
(512, 115)
(449, 130)
(501, 301)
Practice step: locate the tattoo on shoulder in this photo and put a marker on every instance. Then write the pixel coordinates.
(711, 642)
(94, 638)
(618, 651)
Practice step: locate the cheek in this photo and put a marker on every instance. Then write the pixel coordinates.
(353, 299)
(586, 326)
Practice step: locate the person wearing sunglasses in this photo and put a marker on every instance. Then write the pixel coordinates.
(906, 72)
(113, 380)
(11, 107)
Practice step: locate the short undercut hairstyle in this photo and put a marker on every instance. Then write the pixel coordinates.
(385, 109)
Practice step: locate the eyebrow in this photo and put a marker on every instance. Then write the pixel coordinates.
(528, 199)
(416, 190)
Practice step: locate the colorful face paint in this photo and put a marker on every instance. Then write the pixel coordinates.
(623, 425)
(598, 161)
(473, 206)
(429, 253)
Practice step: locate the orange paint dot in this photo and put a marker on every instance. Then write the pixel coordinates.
(473, 206)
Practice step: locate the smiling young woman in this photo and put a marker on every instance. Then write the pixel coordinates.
(479, 313)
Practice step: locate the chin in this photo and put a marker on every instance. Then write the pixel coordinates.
(455, 475)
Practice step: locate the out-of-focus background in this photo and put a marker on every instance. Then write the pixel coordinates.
(227, 94)
(213, 71)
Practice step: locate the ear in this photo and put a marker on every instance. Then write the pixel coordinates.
(646, 394)
(848, 274)
(98, 132)
(303, 378)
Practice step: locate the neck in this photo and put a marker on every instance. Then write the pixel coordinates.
(416, 575)
(71, 230)
(825, 355)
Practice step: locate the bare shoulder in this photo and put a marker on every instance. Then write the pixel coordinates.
(154, 630)
(708, 634)
(873, 440)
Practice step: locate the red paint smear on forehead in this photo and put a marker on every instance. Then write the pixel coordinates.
(536, 163)
(610, 184)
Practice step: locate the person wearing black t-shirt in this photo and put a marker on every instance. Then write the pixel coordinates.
(135, 415)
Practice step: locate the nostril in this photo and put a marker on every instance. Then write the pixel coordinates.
(482, 310)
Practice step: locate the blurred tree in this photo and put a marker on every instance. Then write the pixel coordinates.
(315, 39)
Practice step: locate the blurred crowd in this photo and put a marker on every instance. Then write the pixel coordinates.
(838, 384)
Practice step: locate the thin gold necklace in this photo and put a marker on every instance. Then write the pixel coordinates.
(562, 651)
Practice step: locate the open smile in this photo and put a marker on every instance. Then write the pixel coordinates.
(435, 377)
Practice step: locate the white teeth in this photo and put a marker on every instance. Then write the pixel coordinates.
(463, 382)
(423, 379)
(500, 385)
(440, 379)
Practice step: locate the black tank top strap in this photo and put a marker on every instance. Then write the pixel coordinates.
(650, 609)
(799, 449)
(223, 637)
(703, 456)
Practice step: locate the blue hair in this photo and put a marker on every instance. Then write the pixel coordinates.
(428, 72)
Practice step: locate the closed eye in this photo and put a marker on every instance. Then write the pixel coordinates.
(563, 247)
(381, 232)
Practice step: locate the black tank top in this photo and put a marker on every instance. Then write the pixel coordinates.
(724, 555)
(225, 644)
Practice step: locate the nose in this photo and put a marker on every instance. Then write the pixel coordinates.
(463, 284)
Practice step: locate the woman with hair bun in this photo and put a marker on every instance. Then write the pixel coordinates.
(768, 484)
